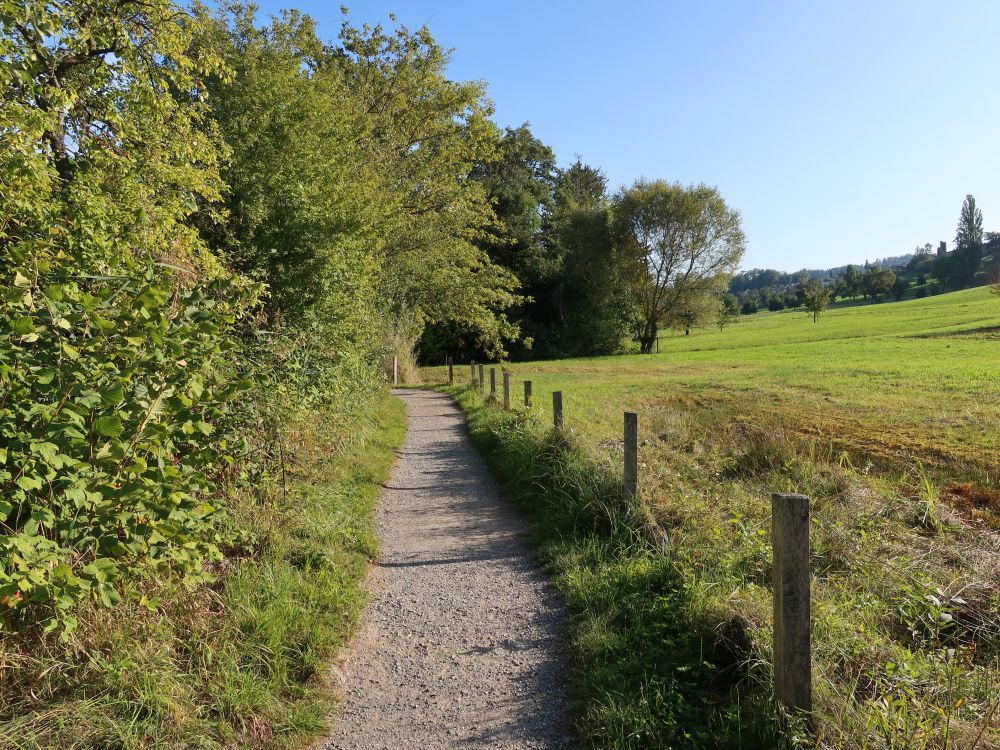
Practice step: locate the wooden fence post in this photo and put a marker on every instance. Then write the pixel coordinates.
(482, 381)
(657, 344)
(395, 371)
(451, 371)
(493, 382)
(631, 453)
(527, 393)
(506, 389)
(557, 413)
(790, 580)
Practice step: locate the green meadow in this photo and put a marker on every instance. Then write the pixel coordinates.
(889, 383)
(887, 416)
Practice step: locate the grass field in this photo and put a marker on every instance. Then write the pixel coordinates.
(890, 383)
(888, 417)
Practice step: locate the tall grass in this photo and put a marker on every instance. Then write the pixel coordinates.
(238, 664)
(652, 667)
(888, 383)
(671, 633)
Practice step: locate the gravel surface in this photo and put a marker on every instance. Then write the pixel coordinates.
(461, 646)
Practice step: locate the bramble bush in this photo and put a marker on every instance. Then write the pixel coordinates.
(111, 390)
(116, 351)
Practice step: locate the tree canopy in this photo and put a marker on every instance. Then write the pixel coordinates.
(684, 244)
(816, 298)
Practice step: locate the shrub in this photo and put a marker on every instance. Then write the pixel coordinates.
(112, 387)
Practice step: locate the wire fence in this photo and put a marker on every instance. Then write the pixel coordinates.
(960, 622)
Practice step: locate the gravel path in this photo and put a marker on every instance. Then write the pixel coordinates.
(461, 644)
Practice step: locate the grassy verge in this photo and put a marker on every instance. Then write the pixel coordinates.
(672, 646)
(238, 663)
(652, 669)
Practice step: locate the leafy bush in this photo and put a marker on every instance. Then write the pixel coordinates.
(111, 390)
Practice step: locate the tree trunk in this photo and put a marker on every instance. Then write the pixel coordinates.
(648, 339)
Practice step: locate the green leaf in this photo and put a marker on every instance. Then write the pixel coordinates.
(44, 516)
(112, 396)
(108, 596)
(49, 452)
(22, 326)
(108, 426)
(29, 483)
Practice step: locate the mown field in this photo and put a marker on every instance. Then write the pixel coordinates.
(888, 383)
(887, 416)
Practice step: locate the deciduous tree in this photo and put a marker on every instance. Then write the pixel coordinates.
(684, 243)
(877, 281)
(816, 299)
(851, 281)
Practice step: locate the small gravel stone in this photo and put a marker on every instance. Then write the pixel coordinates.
(457, 600)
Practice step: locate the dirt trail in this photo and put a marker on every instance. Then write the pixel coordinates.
(461, 644)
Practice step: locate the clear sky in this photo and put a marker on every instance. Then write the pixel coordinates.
(842, 131)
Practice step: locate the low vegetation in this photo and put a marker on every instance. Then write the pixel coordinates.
(650, 668)
(242, 661)
(886, 416)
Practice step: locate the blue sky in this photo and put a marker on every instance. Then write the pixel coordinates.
(842, 131)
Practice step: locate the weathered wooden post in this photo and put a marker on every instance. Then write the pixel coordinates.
(493, 382)
(395, 371)
(451, 371)
(482, 381)
(631, 453)
(557, 414)
(506, 389)
(527, 393)
(657, 344)
(790, 580)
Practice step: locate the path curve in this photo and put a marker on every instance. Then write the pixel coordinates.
(461, 645)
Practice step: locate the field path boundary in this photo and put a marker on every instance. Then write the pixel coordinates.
(462, 643)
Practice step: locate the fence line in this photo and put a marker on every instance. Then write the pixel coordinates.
(791, 520)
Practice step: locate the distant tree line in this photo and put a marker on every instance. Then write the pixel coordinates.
(595, 270)
(975, 261)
